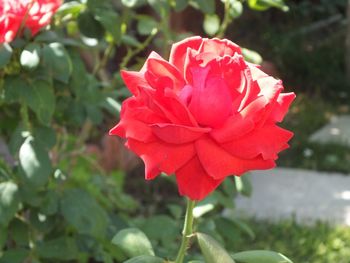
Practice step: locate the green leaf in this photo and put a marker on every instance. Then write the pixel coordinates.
(145, 259)
(83, 212)
(252, 56)
(212, 250)
(19, 232)
(133, 242)
(146, 24)
(5, 54)
(62, 248)
(89, 26)
(46, 136)
(56, 59)
(169, 231)
(236, 8)
(228, 228)
(30, 56)
(40, 98)
(112, 105)
(204, 206)
(243, 185)
(260, 256)
(17, 255)
(262, 5)
(3, 236)
(72, 8)
(50, 203)
(180, 5)
(9, 201)
(162, 7)
(133, 3)
(111, 22)
(35, 163)
(130, 41)
(206, 6)
(211, 24)
(15, 89)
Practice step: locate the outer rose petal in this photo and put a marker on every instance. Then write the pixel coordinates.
(220, 47)
(194, 182)
(179, 50)
(133, 80)
(161, 157)
(159, 73)
(218, 163)
(279, 111)
(177, 134)
(266, 141)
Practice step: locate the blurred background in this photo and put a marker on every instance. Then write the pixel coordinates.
(65, 185)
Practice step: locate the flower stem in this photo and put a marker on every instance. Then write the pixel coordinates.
(187, 231)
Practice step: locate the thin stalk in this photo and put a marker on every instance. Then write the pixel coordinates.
(226, 21)
(25, 117)
(187, 232)
(106, 56)
(131, 53)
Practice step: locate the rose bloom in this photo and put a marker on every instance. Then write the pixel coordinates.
(34, 14)
(203, 115)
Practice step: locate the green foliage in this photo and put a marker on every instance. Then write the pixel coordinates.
(9, 201)
(133, 242)
(212, 251)
(316, 243)
(260, 256)
(59, 202)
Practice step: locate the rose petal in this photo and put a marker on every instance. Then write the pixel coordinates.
(179, 50)
(266, 141)
(131, 128)
(177, 134)
(194, 182)
(211, 99)
(133, 80)
(161, 157)
(160, 73)
(218, 163)
(220, 47)
(234, 127)
(283, 102)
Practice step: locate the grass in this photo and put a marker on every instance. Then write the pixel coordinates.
(319, 243)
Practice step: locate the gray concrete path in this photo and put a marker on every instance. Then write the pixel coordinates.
(336, 131)
(308, 195)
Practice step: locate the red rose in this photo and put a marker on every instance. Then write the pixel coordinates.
(40, 14)
(203, 115)
(34, 14)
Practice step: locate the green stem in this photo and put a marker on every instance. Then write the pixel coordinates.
(25, 117)
(131, 53)
(106, 56)
(226, 21)
(187, 231)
